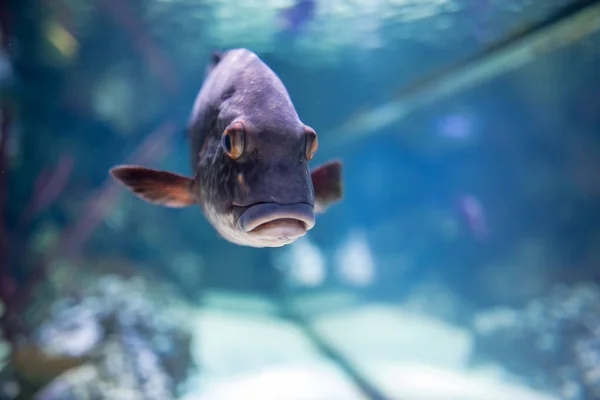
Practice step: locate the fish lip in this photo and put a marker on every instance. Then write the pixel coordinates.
(255, 215)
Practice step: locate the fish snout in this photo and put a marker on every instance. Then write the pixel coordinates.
(276, 224)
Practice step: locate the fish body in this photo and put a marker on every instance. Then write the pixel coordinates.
(249, 153)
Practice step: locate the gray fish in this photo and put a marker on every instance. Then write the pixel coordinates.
(249, 154)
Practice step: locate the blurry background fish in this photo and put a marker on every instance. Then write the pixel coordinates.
(293, 18)
(303, 265)
(473, 215)
(354, 262)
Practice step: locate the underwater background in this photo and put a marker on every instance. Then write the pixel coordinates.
(462, 263)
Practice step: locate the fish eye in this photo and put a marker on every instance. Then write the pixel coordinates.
(312, 142)
(232, 140)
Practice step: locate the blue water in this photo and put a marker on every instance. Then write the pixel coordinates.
(461, 262)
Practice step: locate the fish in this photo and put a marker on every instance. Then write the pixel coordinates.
(249, 153)
(474, 216)
(293, 18)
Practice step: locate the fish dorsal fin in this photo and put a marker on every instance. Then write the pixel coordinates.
(327, 182)
(215, 57)
(155, 186)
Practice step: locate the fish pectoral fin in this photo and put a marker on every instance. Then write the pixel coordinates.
(327, 181)
(155, 186)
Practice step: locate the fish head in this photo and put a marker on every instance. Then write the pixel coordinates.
(265, 196)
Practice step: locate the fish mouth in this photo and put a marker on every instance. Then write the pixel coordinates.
(277, 222)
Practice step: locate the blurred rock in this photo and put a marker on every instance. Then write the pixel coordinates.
(127, 369)
(116, 338)
(427, 382)
(289, 382)
(250, 353)
(554, 342)
(377, 333)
